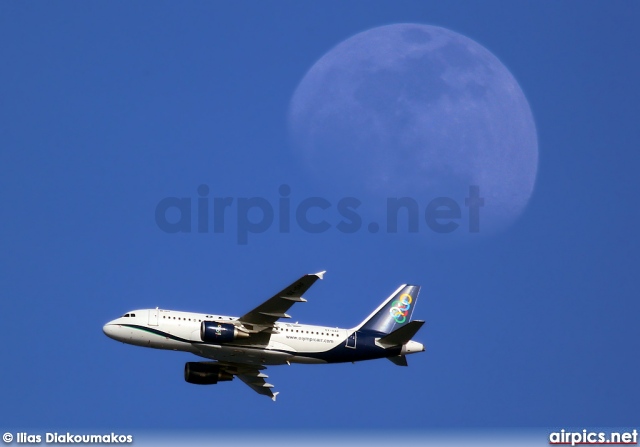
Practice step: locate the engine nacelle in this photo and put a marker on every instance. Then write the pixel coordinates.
(214, 332)
(205, 373)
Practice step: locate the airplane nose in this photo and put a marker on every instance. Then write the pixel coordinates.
(109, 330)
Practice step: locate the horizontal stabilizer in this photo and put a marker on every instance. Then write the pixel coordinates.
(399, 360)
(401, 336)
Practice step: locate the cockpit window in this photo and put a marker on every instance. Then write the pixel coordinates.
(133, 315)
(125, 315)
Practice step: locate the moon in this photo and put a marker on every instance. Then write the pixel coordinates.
(419, 111)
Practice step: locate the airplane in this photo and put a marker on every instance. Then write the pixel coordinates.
(244, 346)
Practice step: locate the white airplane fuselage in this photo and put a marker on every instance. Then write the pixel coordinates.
(288, 342)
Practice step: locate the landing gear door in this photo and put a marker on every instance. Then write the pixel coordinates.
(153, 317)
(351, 340)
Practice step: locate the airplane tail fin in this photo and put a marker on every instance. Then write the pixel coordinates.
(395, 312)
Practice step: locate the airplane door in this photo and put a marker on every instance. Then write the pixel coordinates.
(351, 340)
(153, 317)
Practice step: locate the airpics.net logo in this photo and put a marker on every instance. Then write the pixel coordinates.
(590, 437)
(314, 215)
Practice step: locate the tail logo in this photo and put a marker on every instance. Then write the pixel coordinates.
(400, 308)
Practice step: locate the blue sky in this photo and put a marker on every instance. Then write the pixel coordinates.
(107, 108)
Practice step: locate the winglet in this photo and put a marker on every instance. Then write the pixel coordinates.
(273, 398)
(321, 274)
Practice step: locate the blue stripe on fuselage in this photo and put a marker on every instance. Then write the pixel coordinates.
(366, 348)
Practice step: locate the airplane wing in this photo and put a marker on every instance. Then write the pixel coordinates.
(266, 314)
(258, 384)
(252, 376)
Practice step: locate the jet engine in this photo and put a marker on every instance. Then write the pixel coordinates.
(205, 373)
(214, 332)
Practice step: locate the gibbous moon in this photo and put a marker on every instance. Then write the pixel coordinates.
(417, 111)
